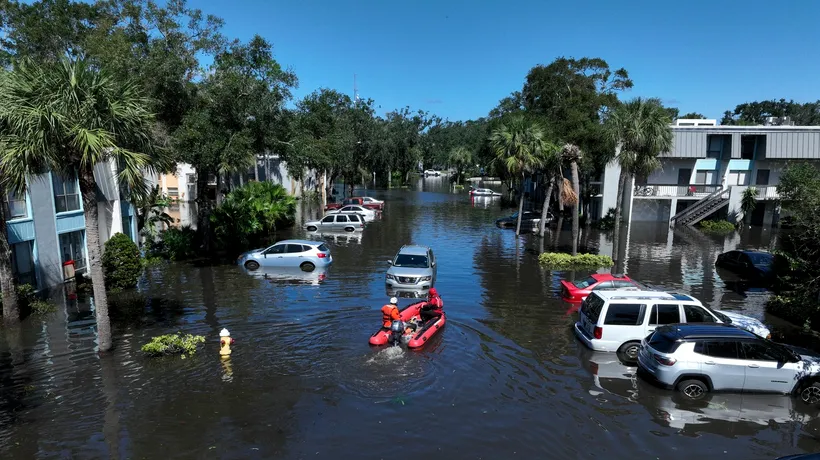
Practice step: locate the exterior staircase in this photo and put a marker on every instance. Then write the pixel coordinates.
(702, 209)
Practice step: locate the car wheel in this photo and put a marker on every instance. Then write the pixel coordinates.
(811, 393)
(312, 228)
(349, 229)
(251, 265)
(693, 390)
(628, 352)
(307, 267)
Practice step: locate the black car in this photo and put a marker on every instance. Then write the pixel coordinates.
(530, 219)
(752, 265)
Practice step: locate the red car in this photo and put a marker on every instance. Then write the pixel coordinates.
(579, 290)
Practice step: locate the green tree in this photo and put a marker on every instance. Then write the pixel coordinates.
(693, 116)
(641, 127)
(461, 159)
(748, 203)
(519, 145)
(235, 117)
(121, 262)
(71, 116)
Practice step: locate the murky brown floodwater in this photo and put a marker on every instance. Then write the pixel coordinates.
(505, 379)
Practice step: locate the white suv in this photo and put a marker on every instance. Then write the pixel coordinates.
(619, 320)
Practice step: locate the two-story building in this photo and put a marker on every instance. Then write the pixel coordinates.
(708, 169)
(46, 225)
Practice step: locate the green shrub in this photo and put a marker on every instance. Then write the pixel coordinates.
(717, 226)
(171, 344)
(251, 213)
(798, 308)
(560, 260)
(121, 262)
(27, 298)
(176, 243)
(608, 221)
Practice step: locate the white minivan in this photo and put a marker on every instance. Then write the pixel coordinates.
(619, 320)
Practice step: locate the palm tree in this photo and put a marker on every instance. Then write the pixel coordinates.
(550, 162)
(748, 203)
(69, 116)
(571, 153)
(518, 145)
(11, 310)
(460, 158)
(641, 128)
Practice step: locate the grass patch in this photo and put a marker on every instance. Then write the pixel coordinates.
(717, 226)
(173, 344)
(562, 260)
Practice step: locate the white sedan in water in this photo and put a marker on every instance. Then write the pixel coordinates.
(368, 214)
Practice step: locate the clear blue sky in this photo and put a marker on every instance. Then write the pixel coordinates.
(457, 58)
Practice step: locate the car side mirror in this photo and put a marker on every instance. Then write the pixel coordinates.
(389, 262)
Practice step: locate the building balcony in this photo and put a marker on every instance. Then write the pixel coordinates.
(674, 191)
(767, 192)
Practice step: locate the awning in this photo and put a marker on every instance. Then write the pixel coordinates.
(708, 164)
(740, 165)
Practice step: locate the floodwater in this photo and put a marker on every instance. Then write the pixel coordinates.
(505, 378)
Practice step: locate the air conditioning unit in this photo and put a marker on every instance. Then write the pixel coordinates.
(772, 121)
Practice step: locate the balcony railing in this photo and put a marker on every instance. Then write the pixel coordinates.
(674, 191)
(766, 192)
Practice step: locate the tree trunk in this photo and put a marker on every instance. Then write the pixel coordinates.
(619, 203)
(560, 179)
(256, 168)
(577, 189)
(88, 188)
(219, 185)
(323, 180)
(204, 207)
(267, 168)
(545, 209)
(11, 308)
(520, 209)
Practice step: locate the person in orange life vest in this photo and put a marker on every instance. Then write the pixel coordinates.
(390, 313)
(432, 309)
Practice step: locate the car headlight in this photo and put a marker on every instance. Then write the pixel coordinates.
(390, 277)
(426, 278)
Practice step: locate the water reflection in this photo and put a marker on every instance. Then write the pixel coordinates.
(293, 275)
(337, 237)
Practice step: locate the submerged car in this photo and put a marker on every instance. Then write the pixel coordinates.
(337, 222)
(618, 320)
(695, 359)
(305, 254)
(529, 219)
(413, 268)
(368, 214)
(576, 291)
(752, 265)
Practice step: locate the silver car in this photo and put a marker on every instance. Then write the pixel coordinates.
(696, 359)
(304, 254)
(337, 222)
(413, 268)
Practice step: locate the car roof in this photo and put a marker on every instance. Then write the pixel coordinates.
(642, 295)
(705, 331)
(307, 242)
(750, 251)
(414, 249)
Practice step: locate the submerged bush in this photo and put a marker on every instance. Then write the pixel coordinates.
(562, 260)
(176, 243)
(27, 298)
(121, 262)
(251, 213)
(172, 344)
(717, 226)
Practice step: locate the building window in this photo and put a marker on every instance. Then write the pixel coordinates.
(66, 193)
(22, 263)
(127, 222)
(703, 177)
(718, 144)
(72, 246)
(16, 206)
(173, 192)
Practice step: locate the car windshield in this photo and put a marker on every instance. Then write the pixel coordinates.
(411, 261)
(585, 283)
(723, 318)
(760, 258)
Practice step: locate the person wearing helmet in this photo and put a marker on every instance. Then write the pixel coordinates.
(432, 309)
(390, 313)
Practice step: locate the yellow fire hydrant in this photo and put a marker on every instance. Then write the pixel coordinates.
(225, 342)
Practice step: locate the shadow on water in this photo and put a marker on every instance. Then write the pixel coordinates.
(504, 378)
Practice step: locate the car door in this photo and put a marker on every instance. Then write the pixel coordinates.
(341, 222)
(274, 256)
(744, 264)
(721, 362)
(767, 369)
(328, 223)
(696, 314)
(661, 314)
(433, 265)
(294, 255)
(730, 261)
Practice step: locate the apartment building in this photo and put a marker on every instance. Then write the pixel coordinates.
(46, 225)
(708, 169)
